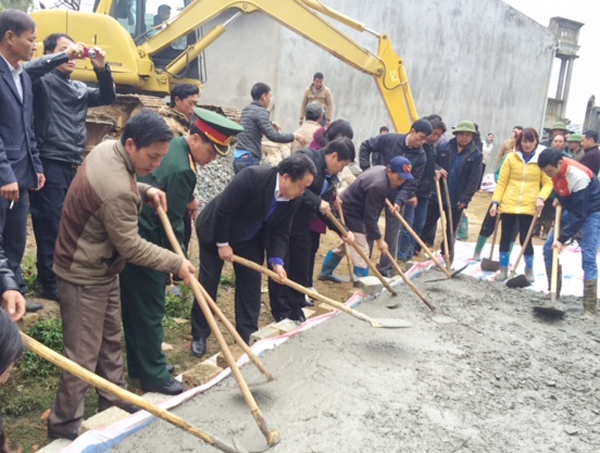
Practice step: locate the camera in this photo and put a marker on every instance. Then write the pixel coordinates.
(91, 53)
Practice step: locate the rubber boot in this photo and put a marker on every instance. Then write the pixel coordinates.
(590, 298)
(504, 261)
(558, 279)
(529, 274)
(479, 247)
(331, 262)
(361, 271)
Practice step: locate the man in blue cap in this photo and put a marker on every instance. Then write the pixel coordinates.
(363, 202)
(142, 288)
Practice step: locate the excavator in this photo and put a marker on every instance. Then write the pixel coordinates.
(151, 53)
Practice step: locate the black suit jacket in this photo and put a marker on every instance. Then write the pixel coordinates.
(19, 159)
(311, 200)
(242, 206)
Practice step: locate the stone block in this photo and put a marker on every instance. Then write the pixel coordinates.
(370, 285)
(236, 351)
(308, 312)
(199, 375)
(286, 325)
(55, 446)
(323, 308)
(102, 419)
(28, 321)
(266, 332)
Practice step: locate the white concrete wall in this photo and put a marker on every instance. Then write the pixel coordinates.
(466, 59)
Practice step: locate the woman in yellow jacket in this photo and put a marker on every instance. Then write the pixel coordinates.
(520, 194)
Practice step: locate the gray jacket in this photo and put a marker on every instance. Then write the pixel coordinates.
(256, 122)
(60, 107)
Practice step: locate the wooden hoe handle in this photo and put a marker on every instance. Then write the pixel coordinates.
(102, 384)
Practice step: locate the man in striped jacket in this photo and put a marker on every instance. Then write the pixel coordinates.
(578, 191)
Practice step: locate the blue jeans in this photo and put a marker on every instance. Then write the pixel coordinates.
(247, 160)
(589, 244)
(416, 218)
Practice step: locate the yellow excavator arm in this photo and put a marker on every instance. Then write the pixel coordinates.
(133, 65)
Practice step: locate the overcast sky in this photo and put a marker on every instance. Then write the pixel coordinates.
(586, 71)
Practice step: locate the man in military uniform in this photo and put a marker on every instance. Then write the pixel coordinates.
(142, 288)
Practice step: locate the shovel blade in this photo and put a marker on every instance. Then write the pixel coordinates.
(490, 265)
(391, 323)
(551, 311)
(520, 281)
(441, 318)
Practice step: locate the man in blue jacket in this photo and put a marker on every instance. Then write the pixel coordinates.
(20, 166)
(60, 112)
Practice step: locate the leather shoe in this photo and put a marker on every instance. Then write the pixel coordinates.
(298, 316)
(69, 436)
(171, 369)
(51, 294)
(199, 347)
(31, 307)
(171, 387)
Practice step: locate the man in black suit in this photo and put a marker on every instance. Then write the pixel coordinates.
(317, 201)
(20, 166)
(254, 212)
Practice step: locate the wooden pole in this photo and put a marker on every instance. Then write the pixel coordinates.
(347, 249)
(271, 436)
(443, 219)
(419, 241)
(362, 254)
(102, 384)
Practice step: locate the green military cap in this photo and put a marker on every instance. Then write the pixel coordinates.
(574, 138)
(218, 129)
(559, 127)
(465, 126)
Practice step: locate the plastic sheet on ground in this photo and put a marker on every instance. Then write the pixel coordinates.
(570, 259)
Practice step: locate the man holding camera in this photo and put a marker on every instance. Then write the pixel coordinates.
(60, 111)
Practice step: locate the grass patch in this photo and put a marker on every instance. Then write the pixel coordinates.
(30, 275)
(178, 306)
(31, 367)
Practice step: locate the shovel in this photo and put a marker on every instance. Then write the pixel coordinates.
(101, 383)
(424, 247)
(438, 316)
(390, 323)
(347, 252)
(444, 227)
(553, 310)
(520, 281)
(203, 298)
(487, 264)
(362, 254)
(451, 237)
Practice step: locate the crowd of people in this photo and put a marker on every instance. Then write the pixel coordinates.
(103, 253)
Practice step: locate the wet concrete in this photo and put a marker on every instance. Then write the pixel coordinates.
(498, 380)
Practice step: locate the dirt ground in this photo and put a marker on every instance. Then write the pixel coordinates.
(500, 379)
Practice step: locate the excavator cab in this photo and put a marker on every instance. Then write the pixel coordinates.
(143, 19)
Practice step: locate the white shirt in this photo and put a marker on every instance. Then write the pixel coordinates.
(16, 75)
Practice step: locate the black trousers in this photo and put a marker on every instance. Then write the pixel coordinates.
(285, 301)
(433, 214)
(46, 210)
(247, 287)
(315, 242)
(13, 225)
(511, 225)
